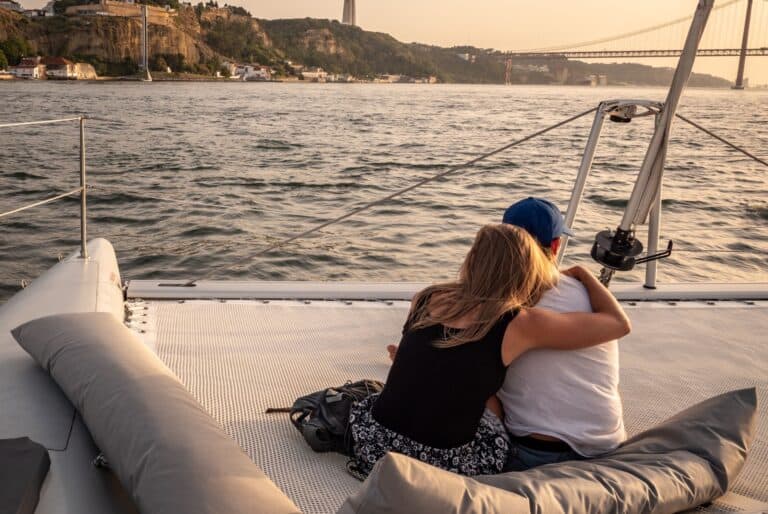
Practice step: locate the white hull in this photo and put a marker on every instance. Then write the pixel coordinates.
(243, 346)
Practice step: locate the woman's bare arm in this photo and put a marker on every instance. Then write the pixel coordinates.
(540, 328)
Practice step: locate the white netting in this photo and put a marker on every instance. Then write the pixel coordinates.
(239, 358)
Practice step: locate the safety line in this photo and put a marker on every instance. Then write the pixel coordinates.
(722, 140)
(450, 171)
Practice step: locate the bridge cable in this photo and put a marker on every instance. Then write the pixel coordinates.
(450, 171)
(722, 140)
(625, 35)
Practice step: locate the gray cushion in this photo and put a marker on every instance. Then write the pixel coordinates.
(399, 485)
(166, 450)
(685, 462)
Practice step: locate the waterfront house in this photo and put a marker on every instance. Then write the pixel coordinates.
(342, 77)
(314, 75)
(29, 68)
(252, 72)
(260, 73)
(389, 78)
(59, 68)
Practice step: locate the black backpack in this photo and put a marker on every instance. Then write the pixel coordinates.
(323, 417)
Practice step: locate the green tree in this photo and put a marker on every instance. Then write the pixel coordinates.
(15, 48)
(236, 9)
(3, 61)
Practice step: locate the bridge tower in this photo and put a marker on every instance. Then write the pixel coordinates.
(350, 13)
(744, 40)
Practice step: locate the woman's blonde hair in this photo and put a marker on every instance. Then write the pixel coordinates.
(504, 270)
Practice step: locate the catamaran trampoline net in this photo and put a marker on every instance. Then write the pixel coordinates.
(239, 358)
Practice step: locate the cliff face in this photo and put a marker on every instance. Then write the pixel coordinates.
(321, 41)
(345, 49)
(112, 39)
(11, 24)
(225, 16)
(199, 38)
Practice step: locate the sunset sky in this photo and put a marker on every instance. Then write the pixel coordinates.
(525, 24)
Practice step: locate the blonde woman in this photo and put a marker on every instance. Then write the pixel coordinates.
(457, 343)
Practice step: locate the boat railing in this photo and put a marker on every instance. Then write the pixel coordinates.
(82, 190)
(621, 111)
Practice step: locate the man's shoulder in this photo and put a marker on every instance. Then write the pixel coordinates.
(569, 295)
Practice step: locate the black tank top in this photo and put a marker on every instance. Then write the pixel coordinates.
(436, 396)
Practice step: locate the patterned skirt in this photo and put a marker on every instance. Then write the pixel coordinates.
(486, 454)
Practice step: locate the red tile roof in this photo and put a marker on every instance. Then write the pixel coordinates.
(56, 61)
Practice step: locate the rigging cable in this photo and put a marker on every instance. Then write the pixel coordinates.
(722, 140)
(450, 171)
(617, 37)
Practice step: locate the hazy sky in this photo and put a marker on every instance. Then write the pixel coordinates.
(518, 24)
(522, 24)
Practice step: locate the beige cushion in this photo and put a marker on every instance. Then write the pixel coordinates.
(168, 453)
(400, 485)
(685, 462)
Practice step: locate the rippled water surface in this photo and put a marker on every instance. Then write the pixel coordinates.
(189, 179)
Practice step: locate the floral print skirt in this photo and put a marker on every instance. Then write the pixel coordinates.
(486, 454)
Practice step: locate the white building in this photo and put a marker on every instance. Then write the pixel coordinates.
(389, 78)
(315, 75)
(252, 72)
(29, 68)
(22, 71)
(60, 69)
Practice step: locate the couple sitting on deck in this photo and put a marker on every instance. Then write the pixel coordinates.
(480, 382)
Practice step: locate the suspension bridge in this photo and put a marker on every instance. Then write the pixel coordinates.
(736, 28)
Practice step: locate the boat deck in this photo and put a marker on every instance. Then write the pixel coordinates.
(240, 357)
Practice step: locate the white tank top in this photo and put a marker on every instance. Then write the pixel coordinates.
(570, 395)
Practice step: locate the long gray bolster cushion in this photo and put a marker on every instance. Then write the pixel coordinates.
(401, 485)
(168, 453)
(689, 460)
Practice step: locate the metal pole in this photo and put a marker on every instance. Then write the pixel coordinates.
(744, 41)
(83, 195)
(652, 170)
(581, 179)
(654, 229)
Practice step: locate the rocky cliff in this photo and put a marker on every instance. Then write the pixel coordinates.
(11, 24)
(199, 38)
(112, 44)
(115, 39)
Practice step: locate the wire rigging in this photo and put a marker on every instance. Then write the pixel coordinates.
(450, 171)
(722, 140)
(617, 37)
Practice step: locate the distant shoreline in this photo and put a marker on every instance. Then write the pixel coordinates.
(113, 80)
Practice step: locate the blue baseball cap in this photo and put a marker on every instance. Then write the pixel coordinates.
(541, 218)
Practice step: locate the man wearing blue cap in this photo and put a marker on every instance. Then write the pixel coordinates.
(560, 405)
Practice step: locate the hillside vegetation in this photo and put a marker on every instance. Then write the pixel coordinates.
(202, 37)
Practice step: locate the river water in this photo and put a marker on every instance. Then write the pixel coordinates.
(190, 179)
